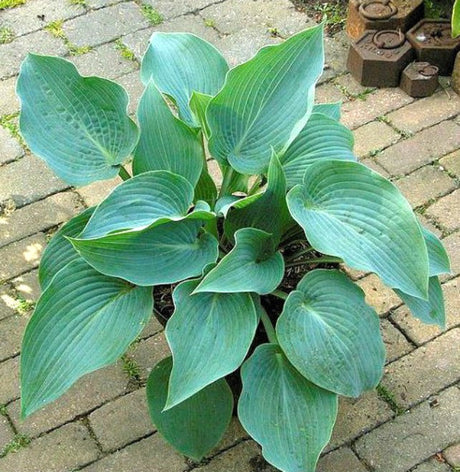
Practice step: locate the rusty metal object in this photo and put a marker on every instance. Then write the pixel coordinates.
(419, 79)
(456, 74)
(378, 58)
(382, 15)
(433, 42)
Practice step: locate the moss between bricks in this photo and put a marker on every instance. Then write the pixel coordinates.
(151, 14)
(78, 2)
(125, 51)
(18, 442)
(6, 35)
(389, 398)
(55, 29)
(9, 122)
(10, 3)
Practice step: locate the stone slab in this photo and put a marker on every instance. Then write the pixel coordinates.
(60, 451)
(149, 352)
(7, 302)
(396, 344)
(11, 331)
(9, 386)
(328, 93)
(38, 216)
(341, 460)
(423, 148)
(351, 87)
(21, 256)
(172, 8)
(27, 180)
(9, 102)
(133, 86)
(94, 193)
(27, 286)
(6, 433)
(452, 245)
(10, 149)
(372, 164)
(378, 295)
(432, 465)
(446, 211)
(452, 455)
(85, 395)
(122, 421)
(451, 163)
(373, 137)
(425, 371)
(419, 332)
(409, 439)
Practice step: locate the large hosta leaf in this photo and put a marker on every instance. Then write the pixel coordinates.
(437, 255)
(78, 125)
(321, 138)
(332, 110)
(349, 211)
(139, 202)
(265, 102)
(198, 104)
(290, 417)
(206, 189)
(209, 335)
(330, 335)
(252, 211)
(181, 63)
(195, 426)
(456, 19)
(59, 251)
(166, 143)
(82, 321)
(156, 255)
(251, 266)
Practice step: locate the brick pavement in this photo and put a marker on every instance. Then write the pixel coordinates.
(101, 424)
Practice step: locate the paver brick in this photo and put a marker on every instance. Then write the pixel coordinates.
(9, 386)
(88, 393)
(357, 416)
(423, 148)
(10, 149)
(451, 163)
(372, 137)
(27, 286)
(425, 184)
(328, 93)
(359, 112)
(95, 4)
(378, 295)
(38, 216)
(351, 87)
(335, 49)
(446, 211)
(133, 85)
(341, 460)
(235, 433)
(421, 333)
(425, 371)
(94, 193)
(11, 331)
(9, 102)
(104, 25)
(6, 433)
(152, 454)
(21, 256)
(396, 344)
(426, 112)
(7, 302)
(172, 8)
(452, 455)
(13, 53)
(370, 162)
(452, 245)
(151, 328)
(27, 180)
(138, 42)
(33, 16)
(60, 451)
(413, 437)
(122, 421)
(432, 465)
(149, 352)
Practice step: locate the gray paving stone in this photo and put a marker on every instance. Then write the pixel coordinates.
(10, 149)
(425, 184)
(33, 16)
(432, 465)
(351, 87)
(7, 302)
(421, 333)
(9, 103)
(357, 416)
(88, 393)
(38, 216)
(149, 455)
(27, 286)
(94, 193)
(13, 53)
(425, 371)
(341, 460)
(133, 86)
(104, 61)
(396, 344)
(452, 245)
(122, 421)
(413, 437)
(423, 148)
(60, 451)
(446, 210)
(172, 8)
(9, 386)
(151, 328)
(336, 51)
(149, 352)
(104, 25)
(27, 180)
(6, 433)
(452, 455)
(138, 42)
(235, 433)
(328, 93)
(373, 137)
(21, 256)
(95, 4)
(451, 163)
(378, 295)
(370, 162)
(11, 331)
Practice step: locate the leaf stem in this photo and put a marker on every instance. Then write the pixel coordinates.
(279, 294)
(318, 260)
(255, 186)
(124, 174)
(268, 326)
(300, 253)
(226, 181)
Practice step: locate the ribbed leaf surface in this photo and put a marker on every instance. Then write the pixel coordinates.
(437, 254)
(332, 110)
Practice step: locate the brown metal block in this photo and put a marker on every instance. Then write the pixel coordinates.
(378, 58)
(382, 15)
(433, 43)
(419, 79)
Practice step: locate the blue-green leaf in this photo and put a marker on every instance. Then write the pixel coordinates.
(209, 335)
(322, 138)
(291, 418)
(59, 251)
(330, 335)
(206, 189)
(198, 104)
(251, 266)
(195, 426)
(180, 64)
(265, 102)
(166, 143)
(349, 211)
(437, 255)
(82, 322)
(78, 125)
(332, 110)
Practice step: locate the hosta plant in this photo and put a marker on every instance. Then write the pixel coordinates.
(254, 261)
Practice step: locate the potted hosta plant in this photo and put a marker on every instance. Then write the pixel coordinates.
(261, 250)
(455, 33)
